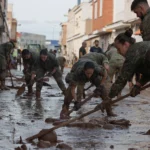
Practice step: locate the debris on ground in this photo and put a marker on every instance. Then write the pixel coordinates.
(64, 146)
(51, 137)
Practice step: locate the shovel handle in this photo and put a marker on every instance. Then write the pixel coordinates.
(82, 103)
(60, 125)
(127, 95)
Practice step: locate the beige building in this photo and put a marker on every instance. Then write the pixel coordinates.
(78, 19)
(63, 38)
(12, 23)
(4, 33)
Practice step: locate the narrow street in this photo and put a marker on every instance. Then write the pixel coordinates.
(25, 117)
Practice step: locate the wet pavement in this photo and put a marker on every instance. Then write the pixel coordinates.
(25, 117)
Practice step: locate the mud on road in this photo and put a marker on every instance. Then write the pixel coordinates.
(25, 117)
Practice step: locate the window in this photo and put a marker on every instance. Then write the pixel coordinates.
(101, 8)
(95, 13)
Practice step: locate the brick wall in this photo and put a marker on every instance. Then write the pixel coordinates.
(107, 14)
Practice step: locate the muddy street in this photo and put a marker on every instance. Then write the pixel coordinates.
(24, 116)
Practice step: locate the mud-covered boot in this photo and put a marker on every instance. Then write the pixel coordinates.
(109, 111)
(64, 114)
(30, 91)
(3, 86)
(38, 95)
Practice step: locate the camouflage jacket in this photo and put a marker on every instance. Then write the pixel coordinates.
(145, 27)
(5, 50)
(114, 56)
(46, 66)
(29, 63)
(134, 63)
(99, 58)
(77, 74)
(61, 60)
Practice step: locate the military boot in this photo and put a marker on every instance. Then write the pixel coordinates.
(109, 111)
(3, 86)
(64, 114)
(38, 95)
(30, 91)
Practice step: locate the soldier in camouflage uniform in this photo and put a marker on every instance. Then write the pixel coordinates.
(61, 61)
(142, 10)
(29, 60)
(115, 64)
(137, 60)
(84, 71)
(99, 58)
(5, 50)
(47, 63)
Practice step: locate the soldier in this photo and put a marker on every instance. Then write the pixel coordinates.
(29, 60)
(5, 50)
(142, 10)
(99, 58)
(84, 71)
(137, 60)
(62, 62)
(47, 62)
(115, 64)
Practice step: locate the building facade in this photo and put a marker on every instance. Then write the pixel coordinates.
(63, 38)
(25, 39)
(4, 32)
(78, 17)
(12, 23)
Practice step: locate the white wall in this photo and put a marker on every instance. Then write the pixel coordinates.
(77, 27)
(119, 7)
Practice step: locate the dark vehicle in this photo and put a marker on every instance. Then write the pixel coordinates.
(36, 48)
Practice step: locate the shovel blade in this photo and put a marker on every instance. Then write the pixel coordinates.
(21, 90)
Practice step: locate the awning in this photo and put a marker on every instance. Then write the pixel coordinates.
(117, 25)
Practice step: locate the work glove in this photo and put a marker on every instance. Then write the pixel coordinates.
(135, 91)
(98, 90)
(77, 105)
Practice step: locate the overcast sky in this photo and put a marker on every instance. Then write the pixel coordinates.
(41, 16)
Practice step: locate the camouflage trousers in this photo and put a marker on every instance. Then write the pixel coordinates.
(114, 70)
(80, 88)
(28, 81)
(57, 76)
(2, 75)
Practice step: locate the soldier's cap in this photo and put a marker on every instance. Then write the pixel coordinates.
(25, 52)
(136, 2)
(44, 52)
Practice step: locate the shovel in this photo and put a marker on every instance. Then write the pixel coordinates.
(22, 88)
(77, 118)
(11, 78)
(83, 102)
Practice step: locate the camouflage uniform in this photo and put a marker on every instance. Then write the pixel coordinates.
(115, 64)
(40, 68)
(135, 62)
(76, 77)
(99, 58)
(61, 61)
(145, 27)
(5, 50)
(28, 65)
